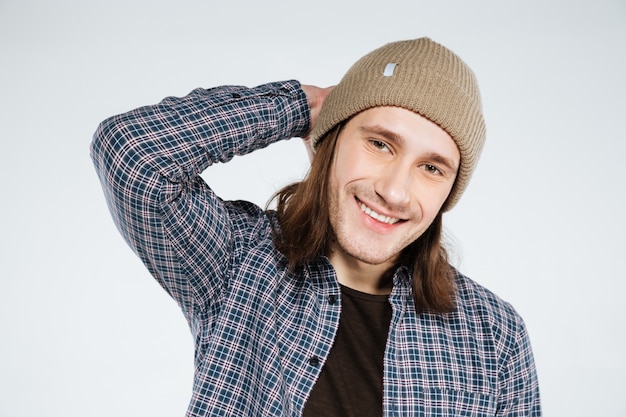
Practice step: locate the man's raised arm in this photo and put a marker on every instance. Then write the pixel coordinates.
(149, 161)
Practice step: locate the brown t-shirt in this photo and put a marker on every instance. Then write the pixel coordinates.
(351, 382)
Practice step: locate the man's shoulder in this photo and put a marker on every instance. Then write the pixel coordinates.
(253, 228)
(249, 219)
(478, 302)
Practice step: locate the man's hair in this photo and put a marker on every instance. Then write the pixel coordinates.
(305, 233)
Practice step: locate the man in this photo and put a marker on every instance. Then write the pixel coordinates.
(341, 301)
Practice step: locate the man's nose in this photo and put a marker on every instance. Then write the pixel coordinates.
(393, 185)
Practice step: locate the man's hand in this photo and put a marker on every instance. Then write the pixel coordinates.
(316, 96)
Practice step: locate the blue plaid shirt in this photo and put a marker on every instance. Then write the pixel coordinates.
(261, 333)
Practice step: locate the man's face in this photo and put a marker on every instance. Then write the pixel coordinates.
(392, 172)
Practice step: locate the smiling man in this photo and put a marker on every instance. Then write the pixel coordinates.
(341, 301)
(392, 172)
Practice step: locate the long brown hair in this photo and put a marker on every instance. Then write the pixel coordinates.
(305, 232)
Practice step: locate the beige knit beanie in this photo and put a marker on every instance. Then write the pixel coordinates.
(422, 76)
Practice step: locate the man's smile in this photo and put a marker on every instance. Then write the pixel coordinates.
(373, 214)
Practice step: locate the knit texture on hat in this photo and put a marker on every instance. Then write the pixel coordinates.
(428, 79)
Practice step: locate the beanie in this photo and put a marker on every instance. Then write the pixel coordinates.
(422, 76)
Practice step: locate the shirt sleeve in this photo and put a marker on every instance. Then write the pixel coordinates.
(149, 162)
(519, 387)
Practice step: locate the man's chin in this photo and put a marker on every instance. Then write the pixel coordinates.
(370, 256)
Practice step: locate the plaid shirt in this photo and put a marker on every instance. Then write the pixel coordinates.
(261, 333)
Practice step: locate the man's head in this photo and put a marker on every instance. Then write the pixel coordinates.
(418, 103)
(424, 77)
(391, 172)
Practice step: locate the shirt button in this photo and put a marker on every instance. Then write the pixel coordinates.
(314, 361)
(332, 299)
(236, 95)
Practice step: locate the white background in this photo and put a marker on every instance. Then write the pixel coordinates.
(85, 331)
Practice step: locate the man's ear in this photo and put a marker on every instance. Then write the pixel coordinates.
(309, 148)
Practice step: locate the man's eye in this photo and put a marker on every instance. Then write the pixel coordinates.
(379, 144)
(431, 168)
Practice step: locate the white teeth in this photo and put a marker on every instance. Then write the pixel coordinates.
(379, 217)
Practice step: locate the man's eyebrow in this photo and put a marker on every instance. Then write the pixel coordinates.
(440, 159)
(386, 133)
(397, 138)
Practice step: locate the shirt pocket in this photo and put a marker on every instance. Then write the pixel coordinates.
(443, 402)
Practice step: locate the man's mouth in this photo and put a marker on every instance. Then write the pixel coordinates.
(379, 217)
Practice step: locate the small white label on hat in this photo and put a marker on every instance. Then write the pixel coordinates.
(389, 69)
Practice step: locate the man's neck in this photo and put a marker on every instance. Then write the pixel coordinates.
(360, 276)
